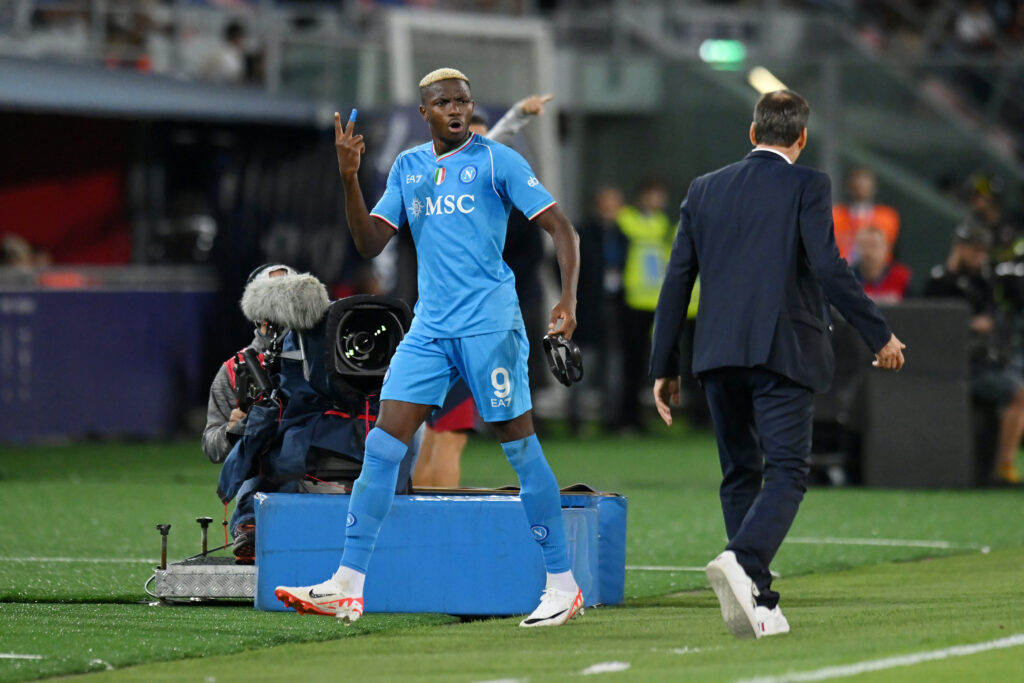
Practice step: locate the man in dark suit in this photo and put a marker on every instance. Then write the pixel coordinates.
(760, 233)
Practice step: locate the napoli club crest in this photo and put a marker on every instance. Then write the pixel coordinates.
(350, 520)
(467, 174)
(539, 531)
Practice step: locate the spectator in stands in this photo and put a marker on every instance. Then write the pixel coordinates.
(885, 281)
(975, 28)
(649, 234)
(225, 421)
(15, 252)
(226, 63)
(862, 211)
(966, 275)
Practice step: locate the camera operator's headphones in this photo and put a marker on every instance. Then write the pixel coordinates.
(564, 359)
(266, 269)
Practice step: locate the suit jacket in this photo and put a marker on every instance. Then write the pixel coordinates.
(760, 233)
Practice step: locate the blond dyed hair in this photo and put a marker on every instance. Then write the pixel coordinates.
(443, 74)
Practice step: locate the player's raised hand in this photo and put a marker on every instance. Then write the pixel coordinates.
(350, 147)
(534, 104)
(563, 320)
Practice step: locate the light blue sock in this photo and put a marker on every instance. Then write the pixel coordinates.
(372, 495)
(541, 500)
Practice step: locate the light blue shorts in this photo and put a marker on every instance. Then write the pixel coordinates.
(494, 366)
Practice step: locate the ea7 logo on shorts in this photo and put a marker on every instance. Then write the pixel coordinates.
(539, 531)
(533, 182)
(449, 204)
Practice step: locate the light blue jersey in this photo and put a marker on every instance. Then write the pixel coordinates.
(457, 207)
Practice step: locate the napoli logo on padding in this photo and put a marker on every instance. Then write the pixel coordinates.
(539, 531)
(467, 174)
(350, 520)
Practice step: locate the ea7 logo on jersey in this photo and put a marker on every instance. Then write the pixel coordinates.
(413, 179)
(445, 204)
(533, 182)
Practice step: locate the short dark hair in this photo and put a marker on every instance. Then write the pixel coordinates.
(234, 31)
(780, 117)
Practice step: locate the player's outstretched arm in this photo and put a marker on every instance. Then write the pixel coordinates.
(567, 251)
(370, 234)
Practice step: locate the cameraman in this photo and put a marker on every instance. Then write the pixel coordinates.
(225, 420)
(314, 394)
(995, 381)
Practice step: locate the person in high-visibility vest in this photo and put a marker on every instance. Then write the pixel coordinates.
(649, 233)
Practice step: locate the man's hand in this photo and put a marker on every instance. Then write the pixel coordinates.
(666, 391)
(534, 104)
(891, 355)
(350, 148)
(563, 319)
(237, 415)
(982, 324)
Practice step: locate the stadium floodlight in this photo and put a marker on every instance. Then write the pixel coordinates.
(723, 54)
(762, 80)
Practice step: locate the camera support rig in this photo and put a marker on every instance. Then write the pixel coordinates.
(201, 577)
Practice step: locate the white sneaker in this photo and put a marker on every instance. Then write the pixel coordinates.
(770, 622)
(556, 607)
(324, 598)
(736, 592)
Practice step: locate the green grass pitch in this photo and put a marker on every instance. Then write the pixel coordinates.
(888, 583)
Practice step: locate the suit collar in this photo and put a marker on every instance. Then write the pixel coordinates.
(766, 154)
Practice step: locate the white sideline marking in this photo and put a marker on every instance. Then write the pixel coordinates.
(605, 668)
(890, 662)
(652, 568)
(14, 655)
(898, 542)
(86, 560)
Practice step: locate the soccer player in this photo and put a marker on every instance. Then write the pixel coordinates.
(455, 194)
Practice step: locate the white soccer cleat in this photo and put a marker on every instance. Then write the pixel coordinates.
(325, 598)
(735, 591)
(770, 622)
(556, 607)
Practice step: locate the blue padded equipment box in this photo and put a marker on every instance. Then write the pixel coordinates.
(467, 552)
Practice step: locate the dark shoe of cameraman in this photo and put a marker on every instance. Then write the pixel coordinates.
(244, 545)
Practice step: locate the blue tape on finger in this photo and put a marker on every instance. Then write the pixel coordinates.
(352, 116)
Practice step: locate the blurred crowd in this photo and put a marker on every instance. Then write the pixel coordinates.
(225, 46)
(973, 45)
(144, 36)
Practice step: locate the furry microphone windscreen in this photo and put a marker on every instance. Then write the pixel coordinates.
(298, 302)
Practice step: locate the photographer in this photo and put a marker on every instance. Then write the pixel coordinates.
(996, 383)
(314, 394)
(225, 418)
